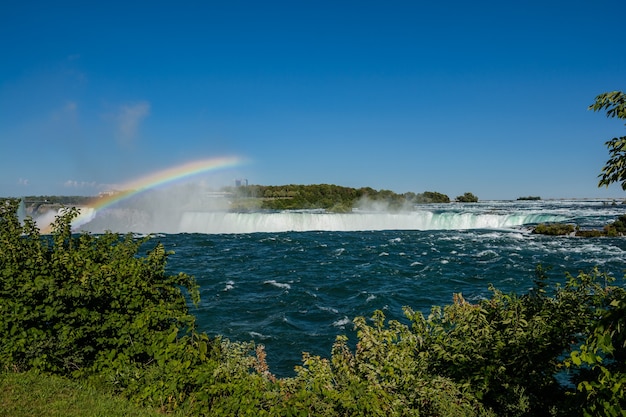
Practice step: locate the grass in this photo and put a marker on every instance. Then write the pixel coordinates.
(31, 394)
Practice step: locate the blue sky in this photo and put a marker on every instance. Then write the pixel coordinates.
(486, 97)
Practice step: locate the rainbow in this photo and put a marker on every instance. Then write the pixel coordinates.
(157, 179)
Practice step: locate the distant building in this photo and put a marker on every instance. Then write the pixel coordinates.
(241, 182)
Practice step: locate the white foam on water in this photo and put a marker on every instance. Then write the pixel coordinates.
(329, 309)
(278, 284)
(257, 335)
(342, 323)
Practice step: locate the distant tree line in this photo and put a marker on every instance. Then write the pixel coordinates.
(325, 196)
(58, 199)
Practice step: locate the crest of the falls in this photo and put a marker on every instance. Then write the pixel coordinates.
(301, 221)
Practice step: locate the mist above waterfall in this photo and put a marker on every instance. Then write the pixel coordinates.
(195, 210)
(383, 206)
(156, 210)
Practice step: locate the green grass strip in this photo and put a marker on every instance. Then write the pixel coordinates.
(31, 394)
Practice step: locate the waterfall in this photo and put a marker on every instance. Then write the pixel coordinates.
(159, 218)
(224, 222)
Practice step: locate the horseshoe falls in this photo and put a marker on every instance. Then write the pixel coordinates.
(302, 221)
(159, 219)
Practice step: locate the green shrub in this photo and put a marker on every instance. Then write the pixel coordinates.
(617, 228)
(500, 356)
(428, 197)
(467, 198)
(590, 233)
(554, 229)
(602, 357)
(71, 302)
(90, 307)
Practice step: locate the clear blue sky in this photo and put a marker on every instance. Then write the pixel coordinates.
(489, 97)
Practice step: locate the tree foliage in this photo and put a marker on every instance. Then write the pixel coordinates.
(603, 357)
(467, 198)
(90, 307)
(76, 298)
(616, 228)
(554, 229)
(329, 197)
(614, 170)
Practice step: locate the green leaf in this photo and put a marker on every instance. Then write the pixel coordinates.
(172, 336)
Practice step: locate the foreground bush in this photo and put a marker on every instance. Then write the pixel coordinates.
(71, 304)
(90, 308)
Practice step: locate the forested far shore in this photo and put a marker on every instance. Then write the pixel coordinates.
(330, 197)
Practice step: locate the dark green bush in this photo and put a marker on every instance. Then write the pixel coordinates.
(467, 198)
(590, 233)
(614, 229)
(617, 228)
(428, 197)
(603, 358)
(554, 229)
(78, 299)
